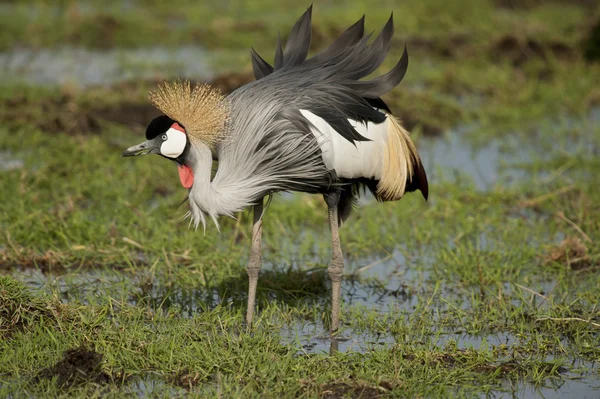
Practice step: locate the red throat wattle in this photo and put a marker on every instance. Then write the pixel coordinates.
(186, 176)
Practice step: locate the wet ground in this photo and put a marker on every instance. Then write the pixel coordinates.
(390, 284)
(396, 282)
(82, 67)
(381, 283)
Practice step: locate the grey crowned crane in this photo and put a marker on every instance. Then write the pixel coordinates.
(307, 125)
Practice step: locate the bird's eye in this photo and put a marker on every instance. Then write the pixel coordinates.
(164, 137)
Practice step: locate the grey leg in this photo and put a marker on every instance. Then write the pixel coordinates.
(336, 267)
(334, 345)
(255, 261)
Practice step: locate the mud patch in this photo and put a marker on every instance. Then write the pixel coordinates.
(228, 82)
(104, 27)
(591, 42)
(451, 46)
(134, 115)
(66, 114)
(188, 379)
(530, 4)
(49, 261)
(571, 252)
(77, 367)
(82, 67)
(519, 50)
(62, 114)
(69, 114)
(336, 390)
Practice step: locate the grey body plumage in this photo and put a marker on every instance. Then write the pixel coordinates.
(308, 125)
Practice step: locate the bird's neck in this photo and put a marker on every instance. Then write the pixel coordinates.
(205, 197)
(199, 159)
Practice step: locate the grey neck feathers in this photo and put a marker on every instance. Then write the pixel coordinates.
(264, 152)
(208, 198)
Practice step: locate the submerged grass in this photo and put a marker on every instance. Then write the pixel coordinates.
(106, 292)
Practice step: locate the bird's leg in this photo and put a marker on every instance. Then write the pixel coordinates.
(336, 267)
(255, 261)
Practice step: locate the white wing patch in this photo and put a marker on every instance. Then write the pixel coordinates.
(175, 143)
(364, 159)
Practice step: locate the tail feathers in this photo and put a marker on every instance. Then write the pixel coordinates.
(402, 167)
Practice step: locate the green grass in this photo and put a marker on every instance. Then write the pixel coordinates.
(104, 291)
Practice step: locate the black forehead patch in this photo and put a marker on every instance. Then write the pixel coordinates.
(157, 126)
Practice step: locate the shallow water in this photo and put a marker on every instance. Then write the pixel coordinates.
(588, 388)
(151, 384)
(311, 338)
(379, 284)
(498, 161)
(84, 67)
(580, 388)
(454, 157)
(8, 162)
(385, 284)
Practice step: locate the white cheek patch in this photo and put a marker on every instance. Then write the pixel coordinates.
(175, 143)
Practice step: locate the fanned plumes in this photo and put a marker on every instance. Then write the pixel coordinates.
(377, 87)
(201, 109)
(349, 38)
(278, 61)
(298, 42)
(371, 56)
(296, 48)
(343, 64)
(260, 67)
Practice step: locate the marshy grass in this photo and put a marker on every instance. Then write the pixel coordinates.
(491, 287)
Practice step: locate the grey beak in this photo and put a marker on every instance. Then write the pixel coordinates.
(145, 148)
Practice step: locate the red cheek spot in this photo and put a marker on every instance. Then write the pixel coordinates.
(176, 126)
(186, 176)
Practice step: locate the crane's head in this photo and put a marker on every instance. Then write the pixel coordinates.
(193, 116)
(197, 113)
(168, 138)
(165, 137)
